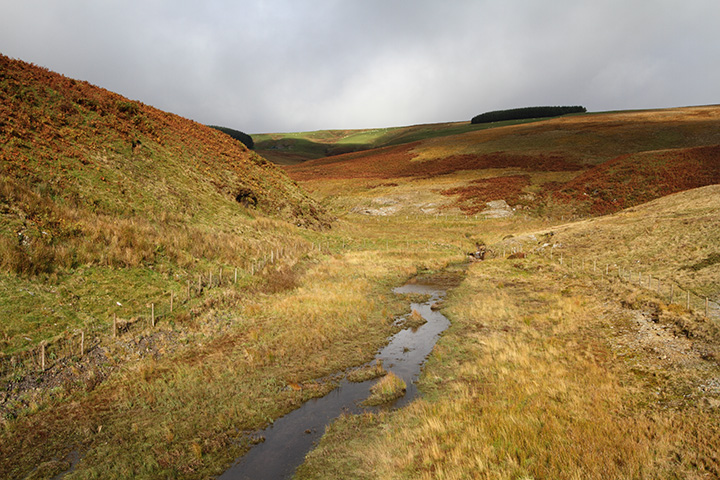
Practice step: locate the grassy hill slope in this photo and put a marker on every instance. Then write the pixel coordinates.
(294, 148)
(106, 201)
(581, 164)
(551, 368)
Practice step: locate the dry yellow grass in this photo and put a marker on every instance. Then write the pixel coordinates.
(525, 384)
(675, 238)
(248, 357)
(552, 372)
(387, 389)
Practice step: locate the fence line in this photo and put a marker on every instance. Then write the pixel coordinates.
(693, 302)
(71, 344)
(78, 342)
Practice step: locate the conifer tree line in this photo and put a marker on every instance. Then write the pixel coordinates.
(237, 135)
(525, 112)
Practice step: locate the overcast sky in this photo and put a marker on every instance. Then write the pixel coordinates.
(294, 65)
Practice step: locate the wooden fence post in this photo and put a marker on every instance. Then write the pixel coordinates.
(42, 356)
(235, 275)
(220, 277)
(152, 314)
(199, 283)
(82, 343)
(210, 281)
(688, 300)
(707, 307)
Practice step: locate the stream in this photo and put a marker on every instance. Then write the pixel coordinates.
(292, 436)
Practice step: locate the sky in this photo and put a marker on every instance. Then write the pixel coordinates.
(264, 66)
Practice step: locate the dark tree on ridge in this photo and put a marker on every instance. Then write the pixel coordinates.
(237, 135)
(524, 113)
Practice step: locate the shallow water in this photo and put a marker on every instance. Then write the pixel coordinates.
(292, 436)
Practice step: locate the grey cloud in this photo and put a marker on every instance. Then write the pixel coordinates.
(299, 65)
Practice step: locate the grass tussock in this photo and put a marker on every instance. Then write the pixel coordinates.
(414, 320)
(388, 388)
(367, 372)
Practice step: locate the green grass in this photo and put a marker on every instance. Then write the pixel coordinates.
(290, 148)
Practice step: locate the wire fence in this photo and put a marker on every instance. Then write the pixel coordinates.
(75, 343)
(666, 289)
(78, 342)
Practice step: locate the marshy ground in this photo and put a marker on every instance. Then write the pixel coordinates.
(547, 370)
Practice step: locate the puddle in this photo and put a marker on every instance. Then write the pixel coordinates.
(291, 437)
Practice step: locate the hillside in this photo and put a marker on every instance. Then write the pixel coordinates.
(637, 178)
(76, 141)
(576, 165)
(294, 148)
(95, 186)
(166, 294)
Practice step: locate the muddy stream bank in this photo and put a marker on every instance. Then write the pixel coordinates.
(291, 437)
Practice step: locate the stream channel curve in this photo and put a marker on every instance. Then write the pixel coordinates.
(292, 436)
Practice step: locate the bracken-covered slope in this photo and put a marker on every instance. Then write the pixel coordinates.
(632, 179)
(84, 144)
(107, 203)
(581, 164)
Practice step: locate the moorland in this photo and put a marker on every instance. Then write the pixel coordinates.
(165, 291)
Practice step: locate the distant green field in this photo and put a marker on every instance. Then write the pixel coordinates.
(296, 147)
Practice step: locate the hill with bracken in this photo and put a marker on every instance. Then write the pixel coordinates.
(83, 143)
(161, 308)
(93, 185)
(580, 164)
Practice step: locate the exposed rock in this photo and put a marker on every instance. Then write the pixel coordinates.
(382, 211)
(497, 209)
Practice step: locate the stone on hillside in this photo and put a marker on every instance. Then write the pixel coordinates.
(497, 209)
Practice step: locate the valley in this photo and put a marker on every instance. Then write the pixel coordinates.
(585, 345)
